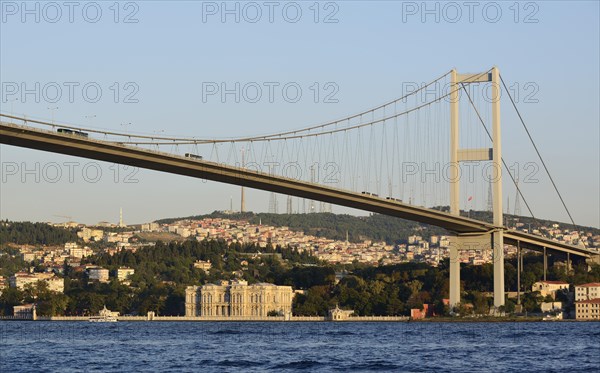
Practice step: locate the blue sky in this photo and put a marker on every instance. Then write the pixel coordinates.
(372, 49)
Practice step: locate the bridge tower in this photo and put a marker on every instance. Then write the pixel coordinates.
(492, 240)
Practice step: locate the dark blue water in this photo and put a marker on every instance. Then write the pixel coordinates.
(231, 347)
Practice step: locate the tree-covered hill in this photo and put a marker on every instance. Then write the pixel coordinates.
(22, 233)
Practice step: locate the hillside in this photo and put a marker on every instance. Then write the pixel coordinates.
(375, 227)
(22, 233)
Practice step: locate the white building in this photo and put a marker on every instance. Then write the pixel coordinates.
(98, 273)
(549, 287)
(203, 265)
(24, 311)
(338, 314)
(20, 279)
(70, 245)
(80, 252)
(29, 256)
(88, 234)
(237, 298)
(123, 273)
(551, 306)
(150, 227)
(587, 291)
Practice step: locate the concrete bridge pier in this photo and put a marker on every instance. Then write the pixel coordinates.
(489, 241)
(498, 258)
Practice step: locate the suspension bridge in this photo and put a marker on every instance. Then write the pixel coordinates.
(403, 158)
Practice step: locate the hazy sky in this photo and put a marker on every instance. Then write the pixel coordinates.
(159, 54)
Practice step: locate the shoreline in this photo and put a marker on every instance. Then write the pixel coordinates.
(298, 319)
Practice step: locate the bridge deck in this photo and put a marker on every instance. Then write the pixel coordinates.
(29, 137)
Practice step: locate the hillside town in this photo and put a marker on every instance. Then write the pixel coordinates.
(414, 248)
(110, 239)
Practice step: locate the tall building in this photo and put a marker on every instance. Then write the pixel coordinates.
(237, 298)
(587, 301)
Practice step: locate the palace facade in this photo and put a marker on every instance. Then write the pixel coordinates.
(237, 298)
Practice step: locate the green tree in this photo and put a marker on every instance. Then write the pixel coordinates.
(9, 298)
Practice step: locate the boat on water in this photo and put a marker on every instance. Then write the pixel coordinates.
(105, 315)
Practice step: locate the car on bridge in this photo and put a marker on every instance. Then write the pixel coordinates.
(393, 199)
(193, 156)
(370, 194)
(68, 131)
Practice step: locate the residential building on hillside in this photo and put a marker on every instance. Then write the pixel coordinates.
(20, 279)
(123, 273)
(203, 265)
(98, 273)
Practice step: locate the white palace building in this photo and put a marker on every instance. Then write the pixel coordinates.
(237, 298)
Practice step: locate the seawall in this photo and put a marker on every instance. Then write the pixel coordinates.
(220, 319)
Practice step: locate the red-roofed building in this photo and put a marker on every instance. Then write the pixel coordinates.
(417, 314)
(587, 291)
(587, 309)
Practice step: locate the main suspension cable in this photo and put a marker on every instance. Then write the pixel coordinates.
(503, 161)
(539, 154)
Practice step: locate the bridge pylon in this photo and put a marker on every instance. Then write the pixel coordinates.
(494, 239)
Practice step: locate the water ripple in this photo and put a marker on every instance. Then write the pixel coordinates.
(292, 347)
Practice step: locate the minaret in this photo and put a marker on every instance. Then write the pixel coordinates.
(121, 217)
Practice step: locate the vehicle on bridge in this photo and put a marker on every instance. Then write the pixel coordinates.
(193, 156)
(393, 199)
(68, 131)
(370, 194)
